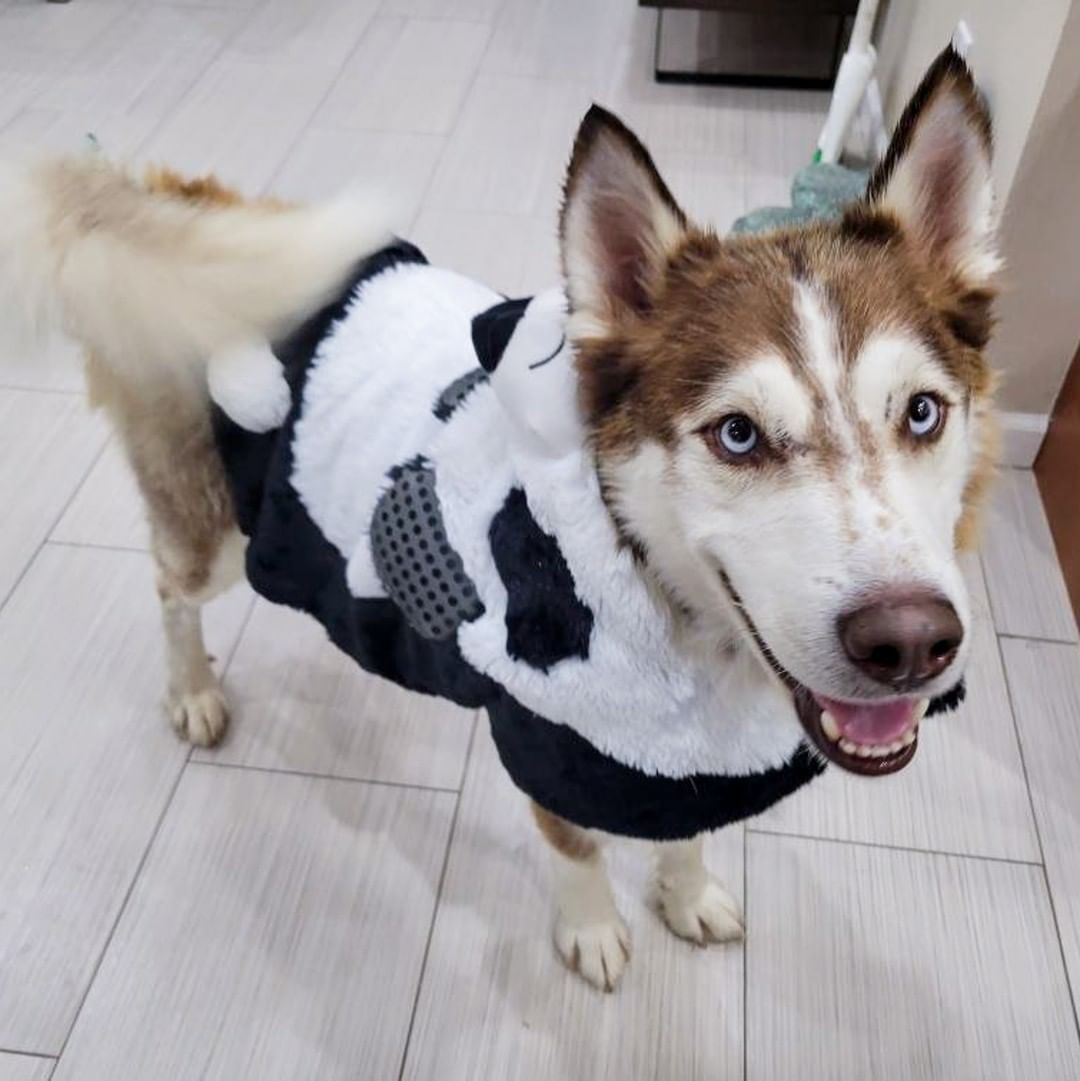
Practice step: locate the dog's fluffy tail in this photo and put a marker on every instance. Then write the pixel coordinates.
(150, 282)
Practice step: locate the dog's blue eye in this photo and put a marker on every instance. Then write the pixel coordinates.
(737, 434)
(924, 415)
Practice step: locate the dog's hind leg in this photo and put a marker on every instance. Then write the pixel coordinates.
(195, 700)
(693, 904)
(166, 433)
(590, 935)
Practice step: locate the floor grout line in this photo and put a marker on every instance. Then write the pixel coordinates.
(95, 546)
(52, 525)
(1038, 638)
(765, 832)
(1039, 837)
(435, 911)
(72, 393)
(27, 1054)
(285, 771)
(124, 903)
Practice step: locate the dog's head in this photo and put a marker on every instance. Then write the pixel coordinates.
(793, 431)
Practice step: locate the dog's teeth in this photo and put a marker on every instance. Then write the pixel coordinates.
(921, 707)
(829, 726)
(909, 738)
(848, 747)
(863, 751)
(896, 747)
(878, 751)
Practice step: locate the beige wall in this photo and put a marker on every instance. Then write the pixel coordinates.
(1040, 238)
(1026, 58)
(1015, 42)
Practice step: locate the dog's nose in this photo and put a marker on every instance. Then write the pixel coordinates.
(902, 640)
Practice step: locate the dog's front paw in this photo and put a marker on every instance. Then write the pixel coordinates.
(701, 911)
(597, 951)
(200, 717)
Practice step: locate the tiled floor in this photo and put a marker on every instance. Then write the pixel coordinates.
(350, 888)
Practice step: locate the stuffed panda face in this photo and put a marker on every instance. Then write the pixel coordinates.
(522, 345)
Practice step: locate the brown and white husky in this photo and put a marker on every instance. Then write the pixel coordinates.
(793, 432)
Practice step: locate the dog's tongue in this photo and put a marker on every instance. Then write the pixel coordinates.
(870, 723)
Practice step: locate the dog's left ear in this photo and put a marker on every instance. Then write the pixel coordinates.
(935, 177)
(619, 222)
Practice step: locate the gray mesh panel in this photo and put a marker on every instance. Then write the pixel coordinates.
(419, 570)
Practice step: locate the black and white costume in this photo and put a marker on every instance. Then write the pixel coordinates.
(425, 491)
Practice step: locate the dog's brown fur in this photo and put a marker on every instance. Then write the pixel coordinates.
(166, 435)
(567, 839)
(710, 304)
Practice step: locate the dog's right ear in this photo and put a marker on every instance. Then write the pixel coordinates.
(619, 222)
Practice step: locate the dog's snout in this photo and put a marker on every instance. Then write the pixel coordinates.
(902, 641)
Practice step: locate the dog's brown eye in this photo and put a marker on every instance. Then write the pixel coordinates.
(925, 413)
(736, 435)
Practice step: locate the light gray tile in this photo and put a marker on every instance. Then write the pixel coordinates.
(782, 129)
(866, 963)
(107, 509)
(517, 255)
(88, 764)
(1027, 592)
(406, 75)
(299, 703)
(144, 63)
(631, 90)
(1045, 682)
(496, 1001)
(74, 131)
(241, 119)
(394, 167)
(47, 443)
(24, 1068)
(481, 11)
(275, 933)
(964, 792)
(285, 32)
(709, 187)
(499, 162)
(46, 40)
(560, 40)
(17, 89)
(56, 365)
(242, 5)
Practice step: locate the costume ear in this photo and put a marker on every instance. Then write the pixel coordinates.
(493, 328)
(619, 222)
(935, 177)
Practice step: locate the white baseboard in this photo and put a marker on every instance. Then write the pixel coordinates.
(1022, 435)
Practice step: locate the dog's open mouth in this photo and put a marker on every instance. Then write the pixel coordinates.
(871, 738)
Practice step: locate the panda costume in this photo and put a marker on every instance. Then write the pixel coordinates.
(413, 472)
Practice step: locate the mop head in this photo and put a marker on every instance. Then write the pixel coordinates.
(819, 190)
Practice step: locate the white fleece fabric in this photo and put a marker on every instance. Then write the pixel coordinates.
(367, 407)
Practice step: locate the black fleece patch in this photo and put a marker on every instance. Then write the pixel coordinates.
(457, 392)
(566, 774)
(492, 329)
(545, 621)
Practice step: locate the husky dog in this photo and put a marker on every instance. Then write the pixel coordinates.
(716, 550)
